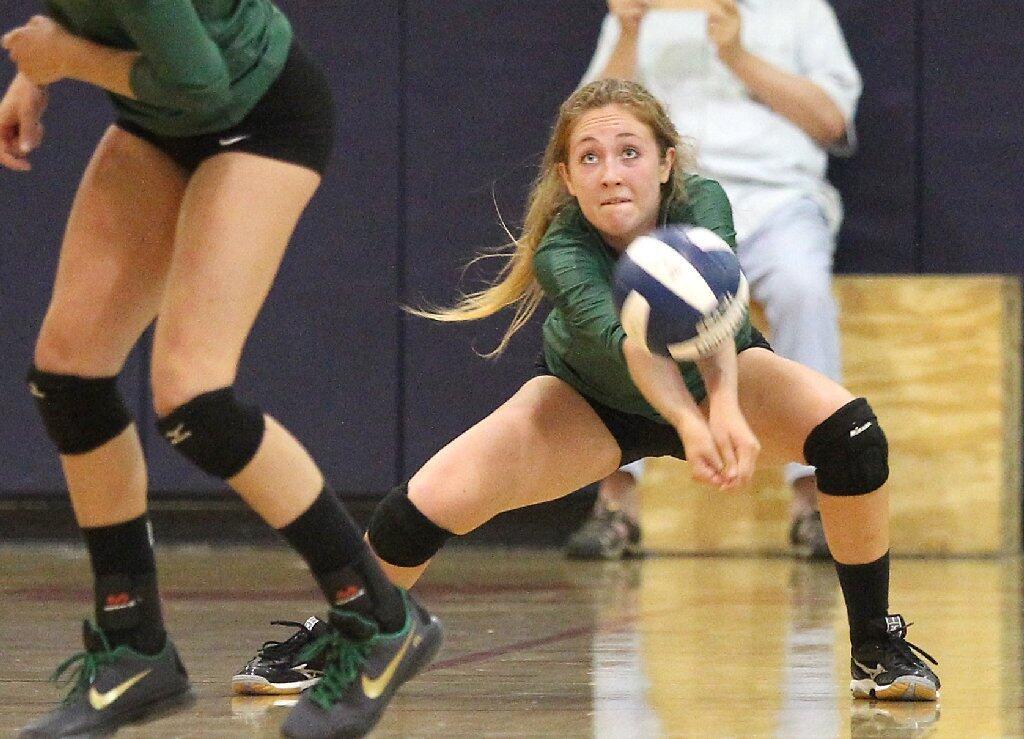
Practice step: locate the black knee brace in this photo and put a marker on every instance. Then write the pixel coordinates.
(400, 534)
(80, 413)
(215, 431)
(849, 451)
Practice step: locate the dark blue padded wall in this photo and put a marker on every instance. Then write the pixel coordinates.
(483, 83)
(879, 183)
(972, 157)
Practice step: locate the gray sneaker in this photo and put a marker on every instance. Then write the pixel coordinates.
(605, 535)
(111, 687)
(807, 536)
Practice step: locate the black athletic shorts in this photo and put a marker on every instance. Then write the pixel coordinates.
(293, 122)
(640, 437)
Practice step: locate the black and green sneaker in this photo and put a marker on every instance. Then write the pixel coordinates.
(111, 687)
(362, 670)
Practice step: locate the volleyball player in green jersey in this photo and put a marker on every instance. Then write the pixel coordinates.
(182, 217)
(614, 170)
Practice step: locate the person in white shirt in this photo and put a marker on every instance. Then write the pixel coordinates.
(766, 89)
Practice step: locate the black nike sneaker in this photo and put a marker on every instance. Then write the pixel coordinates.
(362, 670)
(111, 687)
(887, 666)
(277, 668)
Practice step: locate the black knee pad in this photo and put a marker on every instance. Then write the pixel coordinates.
(215, 431)
(849, 451)
(80, 413)
(400, 534)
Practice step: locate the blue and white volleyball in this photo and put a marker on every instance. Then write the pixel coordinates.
(680, 292)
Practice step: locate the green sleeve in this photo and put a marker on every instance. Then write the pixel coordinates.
(573, 278)
(180, 65)
(708, 207)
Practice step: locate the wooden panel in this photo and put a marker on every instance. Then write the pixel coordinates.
(939, 359)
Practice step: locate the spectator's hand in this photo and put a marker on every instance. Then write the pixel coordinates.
(724, 28)
(39, 49)
(20, 129)
(629, 12)
(737, 446)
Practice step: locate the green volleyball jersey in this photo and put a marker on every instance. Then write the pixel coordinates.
(204, 64)
(583, 334)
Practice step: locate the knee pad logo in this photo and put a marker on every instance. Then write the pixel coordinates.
(80, 413)
(215, 432)
(177, 434)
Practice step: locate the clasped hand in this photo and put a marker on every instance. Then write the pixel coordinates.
(722, 450)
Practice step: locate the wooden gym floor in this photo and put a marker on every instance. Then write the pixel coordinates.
(537, 646)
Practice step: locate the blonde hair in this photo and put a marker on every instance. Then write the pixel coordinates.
(516, 283)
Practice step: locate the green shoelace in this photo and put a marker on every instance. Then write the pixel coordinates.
(342, 665)
(83, 666)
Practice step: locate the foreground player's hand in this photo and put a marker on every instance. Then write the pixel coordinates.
(21, 131)
(38, 49)
(702, 454)
(736, 444)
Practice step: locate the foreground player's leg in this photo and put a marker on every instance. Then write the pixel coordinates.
(798, 412)
(111, 272)
(542, 444)
(227, 251)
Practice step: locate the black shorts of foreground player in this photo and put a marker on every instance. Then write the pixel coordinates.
(182, 217)
(614, 169)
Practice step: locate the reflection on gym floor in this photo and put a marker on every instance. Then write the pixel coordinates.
(537, 646)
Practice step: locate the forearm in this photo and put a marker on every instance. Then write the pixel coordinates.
(623, 61)
(721, 377)
(659, 380)
(791, 96)
(99, 65)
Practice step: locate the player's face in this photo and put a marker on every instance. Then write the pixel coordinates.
(615, 172)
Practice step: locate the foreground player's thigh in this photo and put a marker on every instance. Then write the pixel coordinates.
(783, 401)
(237, 216)
(543, 443)
(113, 259)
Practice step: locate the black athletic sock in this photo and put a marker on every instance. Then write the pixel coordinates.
(866, 592)
(347, 572)
(124, 572)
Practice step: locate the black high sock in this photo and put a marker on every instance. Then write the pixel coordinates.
(866, 591)
(124, 572)
(347, 572)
